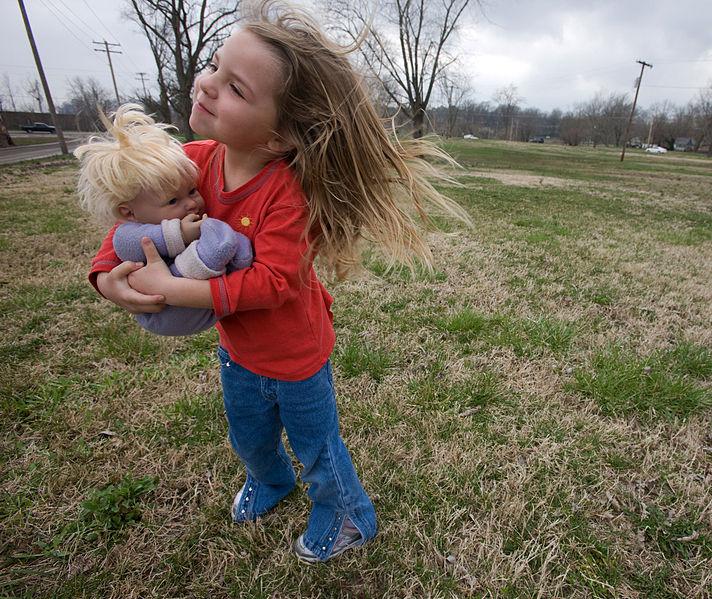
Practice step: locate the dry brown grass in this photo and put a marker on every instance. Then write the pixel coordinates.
(494, 473)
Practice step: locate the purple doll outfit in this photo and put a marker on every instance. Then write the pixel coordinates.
(219, 249)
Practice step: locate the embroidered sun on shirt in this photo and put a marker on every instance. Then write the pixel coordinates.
(245, 221)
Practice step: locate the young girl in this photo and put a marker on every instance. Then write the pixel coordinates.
(299, 162)
(139, 175)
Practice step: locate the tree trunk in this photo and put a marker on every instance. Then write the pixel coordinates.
(185, 127)
(5, 139)
(418, 119)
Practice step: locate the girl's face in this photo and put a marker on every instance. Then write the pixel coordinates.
(235, 100)
(151, 208)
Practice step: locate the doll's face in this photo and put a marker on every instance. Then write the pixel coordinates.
(151, 208)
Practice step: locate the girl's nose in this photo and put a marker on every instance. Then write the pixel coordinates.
(206, 85)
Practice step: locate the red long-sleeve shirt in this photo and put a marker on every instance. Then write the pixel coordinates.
(275, 316)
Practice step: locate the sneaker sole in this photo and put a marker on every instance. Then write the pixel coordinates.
(313, 559)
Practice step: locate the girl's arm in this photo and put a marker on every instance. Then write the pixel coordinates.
(109, 276)
(115, 287)
(276, 274)
(156, 280)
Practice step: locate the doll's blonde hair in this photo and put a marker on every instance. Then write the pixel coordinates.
(136, 154)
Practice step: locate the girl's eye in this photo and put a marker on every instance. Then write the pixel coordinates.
(173, 202)
(193, 191)
(236, 90)
(212, 67)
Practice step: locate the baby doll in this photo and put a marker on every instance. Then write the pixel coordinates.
(139, 175)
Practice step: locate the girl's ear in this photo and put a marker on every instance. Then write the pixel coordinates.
(279, 144)
(125, 212)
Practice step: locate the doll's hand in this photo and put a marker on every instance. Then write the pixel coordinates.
(190, 227)
(154, 278)
(115, 287)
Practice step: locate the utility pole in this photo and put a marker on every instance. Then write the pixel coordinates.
(650, 131)
(40, 70)
(111, 66)
(642, 64)
(142, 77)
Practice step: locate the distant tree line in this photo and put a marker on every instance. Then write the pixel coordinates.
(408, 55)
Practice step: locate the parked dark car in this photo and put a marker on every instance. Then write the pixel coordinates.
(36, 127)
(537, 139)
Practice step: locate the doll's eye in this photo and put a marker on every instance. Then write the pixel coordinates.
(193, 191)
(173, 202)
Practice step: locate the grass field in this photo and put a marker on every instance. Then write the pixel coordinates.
(533, 418)
(41, 138)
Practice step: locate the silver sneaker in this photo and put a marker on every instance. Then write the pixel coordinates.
(348, 537)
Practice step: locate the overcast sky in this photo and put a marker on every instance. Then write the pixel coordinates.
(556, 52)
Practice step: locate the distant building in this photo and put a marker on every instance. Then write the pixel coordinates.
(684, 144)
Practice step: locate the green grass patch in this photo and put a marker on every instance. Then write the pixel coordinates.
(431, 392)
(355, 357)
(194, 420)
(662, 385)
(524, 336)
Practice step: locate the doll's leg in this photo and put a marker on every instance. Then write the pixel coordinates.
(176, 321)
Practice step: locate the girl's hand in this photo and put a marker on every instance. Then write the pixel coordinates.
(154, 278)
(115, 287)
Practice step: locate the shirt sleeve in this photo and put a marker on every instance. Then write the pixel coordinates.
(279, 266)
(105, 259)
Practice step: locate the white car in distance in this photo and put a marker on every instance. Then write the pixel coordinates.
(656, 150)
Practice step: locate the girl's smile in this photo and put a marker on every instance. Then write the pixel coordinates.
(235, 100)
(197, 105)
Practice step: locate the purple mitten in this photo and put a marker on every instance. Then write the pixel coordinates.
(243, 253)
(217, 244)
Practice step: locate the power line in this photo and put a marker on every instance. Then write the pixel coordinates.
(61, 22)
(111, 66)
(76, 16)
(26, 66)
(677, 86)
(111, 34)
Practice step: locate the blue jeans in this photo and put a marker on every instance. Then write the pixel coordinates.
(257, 409)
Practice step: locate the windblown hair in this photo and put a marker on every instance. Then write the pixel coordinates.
(135, 155)
(360, 181)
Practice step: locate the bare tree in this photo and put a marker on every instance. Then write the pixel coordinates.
(573, 127)
(85, 96)
(9, 90)
(408, 47)
(702, 107)
(183, 35)
(32, 87)
(508, 101)
(615, 111)
(455, 88)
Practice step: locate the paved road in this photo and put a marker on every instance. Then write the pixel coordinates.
(19, 153)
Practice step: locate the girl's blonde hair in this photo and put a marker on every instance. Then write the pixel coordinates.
(358, 178)
(135, 155)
